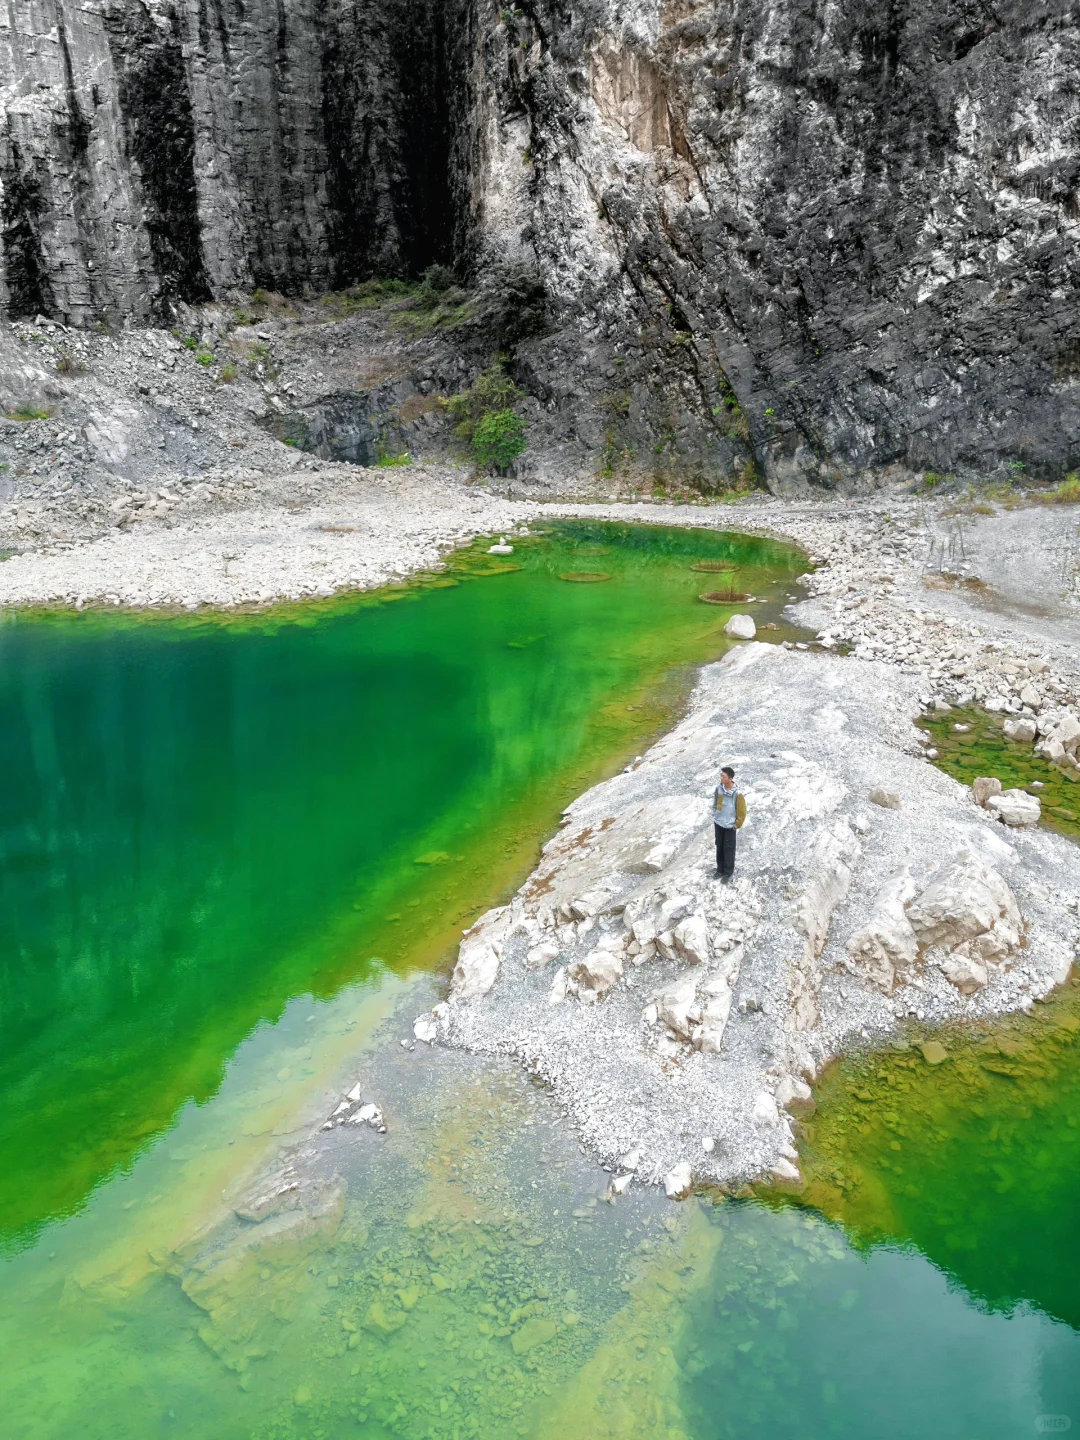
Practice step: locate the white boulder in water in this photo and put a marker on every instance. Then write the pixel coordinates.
(741, 627)
(502, 548)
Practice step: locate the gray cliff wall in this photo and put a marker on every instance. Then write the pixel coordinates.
(824, 240)
(862, 218)
(152, 151)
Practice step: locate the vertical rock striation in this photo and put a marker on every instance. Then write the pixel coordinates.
(812, 239)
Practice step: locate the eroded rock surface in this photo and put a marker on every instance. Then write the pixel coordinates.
(824, 246)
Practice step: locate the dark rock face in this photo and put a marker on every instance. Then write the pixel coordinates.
(863, 219)
(159, 135)
(823, 241)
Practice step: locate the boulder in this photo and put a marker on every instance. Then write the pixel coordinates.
(741, 627)
(542, 954)
(967, 907)
(476, 968)
(1015, 807)
(983, 786)
(675, 1002)
(765, 1109)
(593, 977)
(665, 945)
(795, 1096)
(787, 1171)
(679, 1181)
(888, 799)
(691, 938)
(827, 883)
(1067, 732)
(886, 946)
(1022, 729)
(966, 974)
(537, 1330)
(426, 1028)
(714, 1002)
(1051, 749)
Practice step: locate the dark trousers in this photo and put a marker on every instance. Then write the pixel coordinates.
(725, 849)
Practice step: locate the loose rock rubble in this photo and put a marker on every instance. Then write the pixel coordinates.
(680, 1021)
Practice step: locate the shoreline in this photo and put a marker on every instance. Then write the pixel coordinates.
(918, 638)
(623, 969)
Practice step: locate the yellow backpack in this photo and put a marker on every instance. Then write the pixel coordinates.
(740, 811)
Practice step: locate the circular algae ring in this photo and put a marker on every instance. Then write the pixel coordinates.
(714, 567)
(723, 597)
(585, 577)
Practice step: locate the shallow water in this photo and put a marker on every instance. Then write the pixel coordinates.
(980, 747)
(203, 989)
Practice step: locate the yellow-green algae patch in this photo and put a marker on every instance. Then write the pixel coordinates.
(972, 1157)
(981, 748)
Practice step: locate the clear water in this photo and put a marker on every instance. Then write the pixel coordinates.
(233, 852)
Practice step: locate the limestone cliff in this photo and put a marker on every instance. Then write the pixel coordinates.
(820, 239)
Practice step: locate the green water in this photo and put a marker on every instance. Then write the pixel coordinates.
(980, 747)
(201, 820)
(233, 851)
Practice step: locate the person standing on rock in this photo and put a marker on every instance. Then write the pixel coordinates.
(729, 812)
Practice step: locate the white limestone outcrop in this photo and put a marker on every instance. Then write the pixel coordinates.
(659, 1003)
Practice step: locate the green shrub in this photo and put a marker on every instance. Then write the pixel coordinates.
(499, 439)
(28, 412)
(190, 342)
(486, 424)
(492, 390)
(228, 373)
(365, 295)
(434, 283)
(205, 359)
